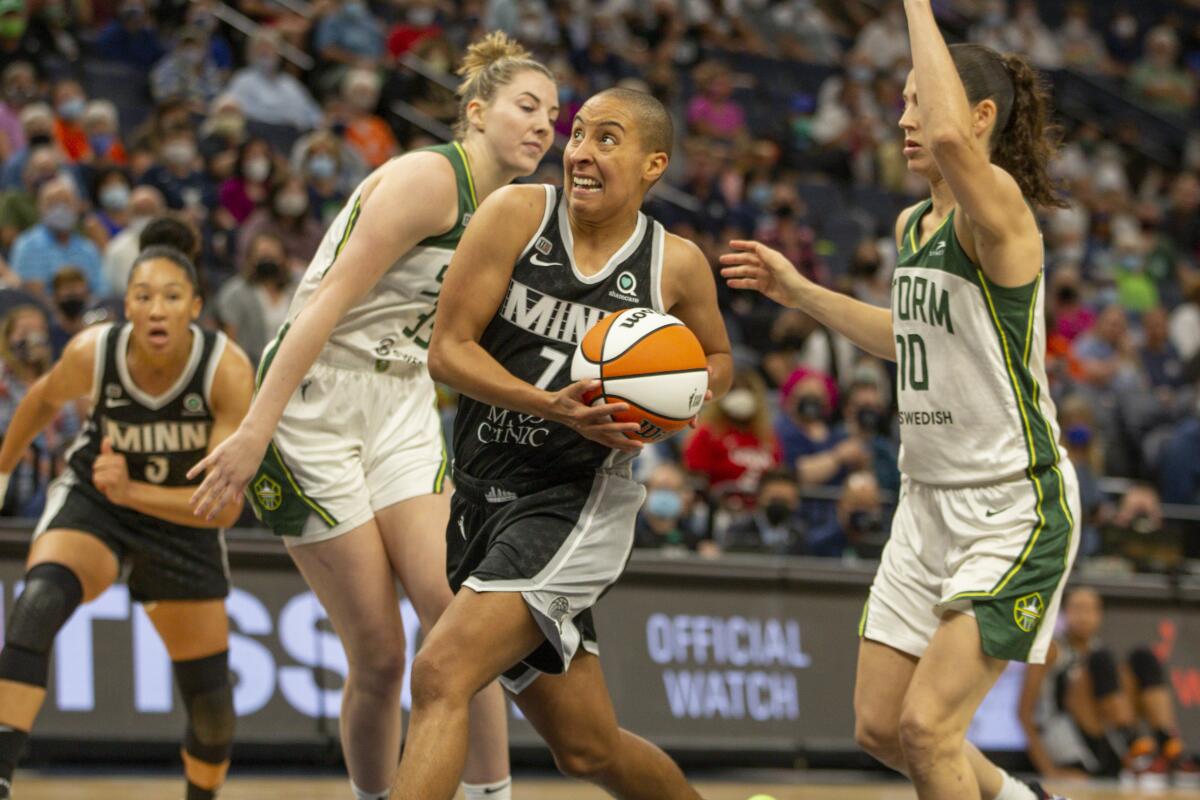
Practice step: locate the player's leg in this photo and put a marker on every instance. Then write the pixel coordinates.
(353, 579)
(881, 681)
(951, 680)
(414, 533)
(573, 712)
(480, 635)
(65, 568)
(196, 635)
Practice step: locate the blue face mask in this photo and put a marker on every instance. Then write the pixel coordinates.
(101, 143)
(664, 504)
(322, 166)
(1079, 435)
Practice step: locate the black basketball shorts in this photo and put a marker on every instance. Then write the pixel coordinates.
(561, 544)
(165, 561)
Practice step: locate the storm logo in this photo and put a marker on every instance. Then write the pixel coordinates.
(269, 493)
(1028, 611)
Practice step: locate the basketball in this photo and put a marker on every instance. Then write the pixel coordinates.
(649, 361)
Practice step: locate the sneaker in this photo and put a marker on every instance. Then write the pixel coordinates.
(1185, 771)
(1042, 794)
(5, 790)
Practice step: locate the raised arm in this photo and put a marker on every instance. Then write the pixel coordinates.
(690, 293)
(753, 265)
(69, 379)
(413, 199)
(233, 386)
(474, 287)
(995, 224)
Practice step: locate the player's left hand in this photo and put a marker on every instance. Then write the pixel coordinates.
(110, 473)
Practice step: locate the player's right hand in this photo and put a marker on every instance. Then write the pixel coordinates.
(568, 407)
(227, 470)
(755, 266)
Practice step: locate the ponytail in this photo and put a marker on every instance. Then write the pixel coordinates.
(490, 63)
(1023, 141)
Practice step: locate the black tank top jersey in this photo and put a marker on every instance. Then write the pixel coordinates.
(161, 437)
(547, 310)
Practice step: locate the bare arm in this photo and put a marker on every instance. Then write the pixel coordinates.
(995, 223)
(753, 265)
(68, 380)
(379, 237)
(474, 287)
(233, 386)
(693, 299)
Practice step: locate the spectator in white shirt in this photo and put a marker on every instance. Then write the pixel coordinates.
(269, 94)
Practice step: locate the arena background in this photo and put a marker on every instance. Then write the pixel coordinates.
(785, 115)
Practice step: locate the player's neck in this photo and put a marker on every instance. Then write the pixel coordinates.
(942, 196)
(602, 237)
(487, 174)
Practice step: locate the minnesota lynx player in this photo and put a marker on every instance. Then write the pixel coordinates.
(985, 531)
(342, 450)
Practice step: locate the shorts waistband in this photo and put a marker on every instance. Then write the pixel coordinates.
(361, 362)
(506, 490)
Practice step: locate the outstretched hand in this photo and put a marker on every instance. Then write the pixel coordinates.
(568, 406)
(227, 470)
(753, 265)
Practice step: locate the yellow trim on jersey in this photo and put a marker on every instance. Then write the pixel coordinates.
(912, 232)
(287, 473)
(862, 620)
(470, 178)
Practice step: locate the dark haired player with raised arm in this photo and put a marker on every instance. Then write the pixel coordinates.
(163, 393)
(542, 521)
(986, 527)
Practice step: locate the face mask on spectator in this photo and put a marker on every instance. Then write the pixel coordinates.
(19, 95)
(291, 204)
(739, 405)
(39, 139)
(72, 108)
(664, 504)
(179, 153)
(115, 197)
(101, 143)
(869, 419)
(266, 63)
(72, 306)
(810, 408)
(777, 512)
(866, 523)
(257, 169)
(31, 348)
(322, 166)
(268, 270)
(1079, 436)
(191, 56)
(12, 27)
(60, 218)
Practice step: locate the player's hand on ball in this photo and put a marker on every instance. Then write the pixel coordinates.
(110, 473)
(568, 406)
(755, 266)
(227, 470)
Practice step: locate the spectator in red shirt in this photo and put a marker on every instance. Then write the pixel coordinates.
(70, 102)
(735, 443)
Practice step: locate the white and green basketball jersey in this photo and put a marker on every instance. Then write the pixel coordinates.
(395, 320)
(970, 366)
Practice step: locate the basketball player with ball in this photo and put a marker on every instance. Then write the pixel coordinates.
(542, 520)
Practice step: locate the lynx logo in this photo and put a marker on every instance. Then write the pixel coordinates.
(112, 390)
(626, 287)
(193, 404)
(559, 610)
(543, 246)
(1027, 612)
(269, 495)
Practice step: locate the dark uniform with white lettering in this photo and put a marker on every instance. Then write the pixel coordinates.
(538, 508)
(161, 437)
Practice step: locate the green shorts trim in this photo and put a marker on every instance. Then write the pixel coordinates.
(278, 500)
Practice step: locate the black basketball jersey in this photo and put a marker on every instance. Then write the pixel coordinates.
(162, 436)
(548, 308)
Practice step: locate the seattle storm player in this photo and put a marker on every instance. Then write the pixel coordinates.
(163, 393)
(542, 521)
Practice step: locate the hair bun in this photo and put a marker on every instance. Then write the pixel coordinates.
(487, 51)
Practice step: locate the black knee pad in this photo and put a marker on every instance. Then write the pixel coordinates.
(1103, 668)
(208, 696)
(52, 593)
(1146, 668)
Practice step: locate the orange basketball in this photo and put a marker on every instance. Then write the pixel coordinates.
(649, 361)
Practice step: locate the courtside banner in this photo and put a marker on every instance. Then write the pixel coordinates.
(738, 655)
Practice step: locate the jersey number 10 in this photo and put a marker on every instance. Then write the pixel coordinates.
(911, 369)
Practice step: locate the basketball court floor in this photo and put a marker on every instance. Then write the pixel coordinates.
(781, 786)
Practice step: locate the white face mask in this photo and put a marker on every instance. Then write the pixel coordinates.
(739, 405)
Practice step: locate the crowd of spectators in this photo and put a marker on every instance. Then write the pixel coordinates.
(115, 111)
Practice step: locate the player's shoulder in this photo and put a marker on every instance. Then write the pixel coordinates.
(425, 172)
(680, 252)
(234, 369)
(516, 209)
(81, 349)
